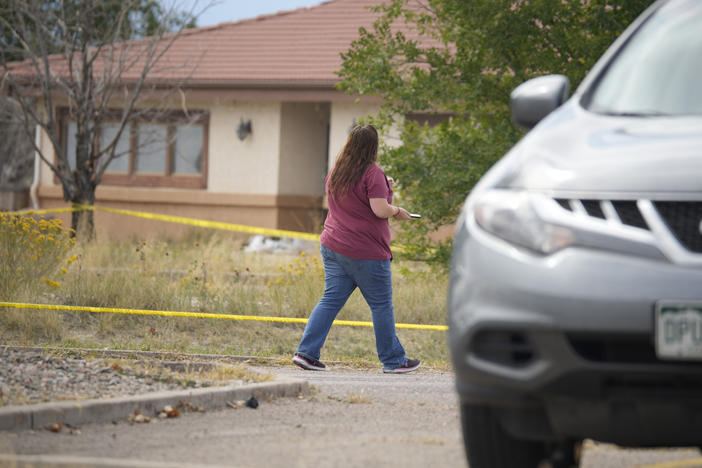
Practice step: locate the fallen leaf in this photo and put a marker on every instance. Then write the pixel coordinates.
(55, 427)
(137, 417)
(152, 330)
(171, 412)
(116, 367)
(186, 406)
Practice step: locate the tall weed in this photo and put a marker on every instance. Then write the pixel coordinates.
(213, 274)
(33, 252)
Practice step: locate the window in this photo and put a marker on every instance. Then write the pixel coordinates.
(167, 151)
(658, 71)
(120, 164)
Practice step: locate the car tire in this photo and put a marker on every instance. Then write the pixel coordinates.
(488, 445)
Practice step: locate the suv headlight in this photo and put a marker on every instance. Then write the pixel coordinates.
(537, 222)
(515, 217)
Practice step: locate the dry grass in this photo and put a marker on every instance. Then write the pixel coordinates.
(356, 398)
(213, 274)
(209, 374)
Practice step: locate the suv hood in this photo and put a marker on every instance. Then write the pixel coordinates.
(573, 150)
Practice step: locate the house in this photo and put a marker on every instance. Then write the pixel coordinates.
(256, 127)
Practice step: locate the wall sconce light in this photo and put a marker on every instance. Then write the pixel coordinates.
(243, 129)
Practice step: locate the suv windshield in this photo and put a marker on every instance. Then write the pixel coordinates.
(659, 71)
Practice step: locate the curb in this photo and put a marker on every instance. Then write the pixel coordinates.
(68, 461)
(78, 412)
(75, 413)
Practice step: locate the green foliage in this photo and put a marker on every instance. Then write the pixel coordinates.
(457, 61)
(77, 55)
(143, 18)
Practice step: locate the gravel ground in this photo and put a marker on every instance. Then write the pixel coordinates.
(30, 376)
(355, 418)
(352, 418)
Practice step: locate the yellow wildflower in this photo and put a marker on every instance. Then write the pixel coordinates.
(52, 283)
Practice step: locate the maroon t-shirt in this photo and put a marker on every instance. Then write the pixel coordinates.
(351, 228)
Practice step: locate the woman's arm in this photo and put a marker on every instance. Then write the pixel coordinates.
(382, 209)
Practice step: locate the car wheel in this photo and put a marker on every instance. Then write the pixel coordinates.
(488, 445)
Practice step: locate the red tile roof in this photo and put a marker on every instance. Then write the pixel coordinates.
(298, 47)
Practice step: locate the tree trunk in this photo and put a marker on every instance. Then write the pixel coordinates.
(82, 221)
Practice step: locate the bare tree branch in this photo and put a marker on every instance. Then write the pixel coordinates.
(77, 61)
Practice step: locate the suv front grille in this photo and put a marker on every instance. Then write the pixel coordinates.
(629, 213)
(623, 211)
(683, 220)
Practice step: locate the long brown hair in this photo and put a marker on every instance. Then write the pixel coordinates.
(359, 152)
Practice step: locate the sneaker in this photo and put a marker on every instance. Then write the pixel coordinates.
(308, 364)
(408, 366)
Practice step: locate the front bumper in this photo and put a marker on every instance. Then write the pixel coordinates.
(566, 342)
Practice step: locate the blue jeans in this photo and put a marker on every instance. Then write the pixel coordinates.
(341, 276)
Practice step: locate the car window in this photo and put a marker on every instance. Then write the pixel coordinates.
(659, 70)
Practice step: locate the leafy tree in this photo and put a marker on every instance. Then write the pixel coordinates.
(144, 18)
(75, 54)
(458, 60)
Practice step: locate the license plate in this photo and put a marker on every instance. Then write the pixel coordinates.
(679, 330)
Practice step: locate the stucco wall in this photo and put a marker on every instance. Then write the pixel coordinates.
(250, 166)
(45, 174)
(273, 178)
(303, 148)
(293, 131)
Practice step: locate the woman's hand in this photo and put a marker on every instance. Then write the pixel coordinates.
(382, 209)
(402, 214)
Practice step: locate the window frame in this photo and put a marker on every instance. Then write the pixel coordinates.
(170, 119)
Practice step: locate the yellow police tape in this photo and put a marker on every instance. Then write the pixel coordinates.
(200, 223)
(179, 219)
(183, 220)
(693, 462)
(165, 313)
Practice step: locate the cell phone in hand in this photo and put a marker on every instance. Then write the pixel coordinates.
(415, 215)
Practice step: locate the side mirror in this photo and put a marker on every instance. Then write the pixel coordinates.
(533, 100)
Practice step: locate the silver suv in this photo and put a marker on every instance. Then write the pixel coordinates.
(575, 301)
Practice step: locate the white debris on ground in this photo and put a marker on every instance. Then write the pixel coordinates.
(278, 245)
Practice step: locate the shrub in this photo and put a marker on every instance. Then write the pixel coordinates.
(34, 252)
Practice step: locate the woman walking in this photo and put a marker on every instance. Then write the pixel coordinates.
(356, 252)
